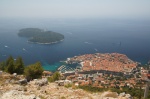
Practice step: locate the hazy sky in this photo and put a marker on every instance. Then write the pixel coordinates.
(75, 8)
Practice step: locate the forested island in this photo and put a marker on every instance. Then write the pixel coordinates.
(40, 36)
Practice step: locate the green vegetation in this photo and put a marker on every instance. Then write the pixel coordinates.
(11, 66)
(36, 35)
(33, 71)
(68, 85)
(19, 66)
(54, 77)
(2, 65)
(92, 89)
(135, 92)
(63, 97)
(41, 97)
(29, 32)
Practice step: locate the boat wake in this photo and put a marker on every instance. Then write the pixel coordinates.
(87, 43)
(4, 55)
(96, 49)
(24, 50)
(6, 46)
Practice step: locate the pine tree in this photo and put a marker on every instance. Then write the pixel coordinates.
(2, 66)
(19, 66)
(10, 65)
(10, 58)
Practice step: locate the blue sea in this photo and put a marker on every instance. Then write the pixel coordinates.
(82, 36)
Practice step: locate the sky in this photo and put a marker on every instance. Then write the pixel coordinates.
(75, 9)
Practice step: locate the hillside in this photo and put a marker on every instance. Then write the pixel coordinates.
(10, 88)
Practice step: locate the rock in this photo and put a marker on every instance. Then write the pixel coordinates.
(110, 95)
(7, 81)
(60, 82)
(14, 74)
(41, 82)
(12, 81)
(1, 72)
(122, 94)
(23, 81)
(14, 94)
(1, 92)
(128, 96)
(20, 88)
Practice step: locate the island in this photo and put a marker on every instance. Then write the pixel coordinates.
(36, 35)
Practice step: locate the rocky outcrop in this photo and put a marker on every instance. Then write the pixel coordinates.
(22, 81)
(41, 82)
(20, 88)
(14, 94)
(53, 91)
(41, 89)
(114, 95)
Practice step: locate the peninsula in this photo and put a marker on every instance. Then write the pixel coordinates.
(113, 62)
(36, 35)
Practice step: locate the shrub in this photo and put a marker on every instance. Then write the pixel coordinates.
(33, 71)
(54, 77)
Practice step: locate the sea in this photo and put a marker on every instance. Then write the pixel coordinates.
(82, 36)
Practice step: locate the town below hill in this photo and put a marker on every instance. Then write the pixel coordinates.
(110, 71)
(113, 62)
(132, 81)
(39, 36)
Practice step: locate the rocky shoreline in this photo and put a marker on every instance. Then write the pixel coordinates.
(45, 43)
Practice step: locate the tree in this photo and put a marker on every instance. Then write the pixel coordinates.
(33, 71)
(10, 58)
(2, 66)
(19, 66)
(10, 65)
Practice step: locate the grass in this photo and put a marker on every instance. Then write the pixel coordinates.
(41, 97)
(62, 97)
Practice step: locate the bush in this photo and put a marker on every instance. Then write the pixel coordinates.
(68, 85)
(54, 77)
(92, 89)
(135, 92)
(33, 71)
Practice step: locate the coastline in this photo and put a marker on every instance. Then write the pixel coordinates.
(45, 43)
(58, 64)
